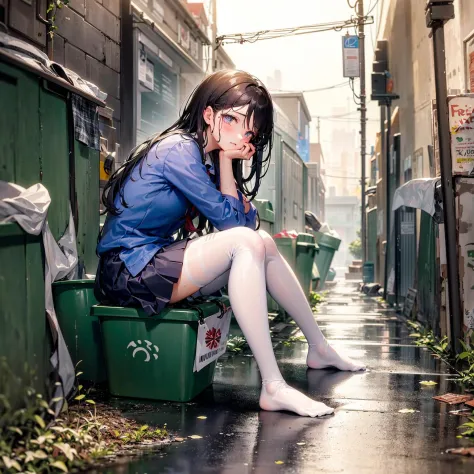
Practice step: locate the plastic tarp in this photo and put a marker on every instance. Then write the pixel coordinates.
(325, 229)
(29, 208)
(36, 58)
(418, 194)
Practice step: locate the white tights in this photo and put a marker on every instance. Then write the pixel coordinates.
(249, 263)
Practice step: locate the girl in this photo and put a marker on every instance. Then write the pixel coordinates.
(167, 182)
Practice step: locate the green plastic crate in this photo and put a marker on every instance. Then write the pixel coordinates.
(73, 300)
(163, 366)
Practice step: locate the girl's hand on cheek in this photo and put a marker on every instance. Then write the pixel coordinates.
(245, 153)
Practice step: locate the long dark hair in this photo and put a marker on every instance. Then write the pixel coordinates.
(222, 90)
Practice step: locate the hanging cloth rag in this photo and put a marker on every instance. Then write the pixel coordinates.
(29, 208)
(86, 121)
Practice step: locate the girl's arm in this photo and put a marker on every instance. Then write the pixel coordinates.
(227, 180)
(183, 169)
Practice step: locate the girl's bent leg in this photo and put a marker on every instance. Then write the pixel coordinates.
(285, 289)
(241, 253)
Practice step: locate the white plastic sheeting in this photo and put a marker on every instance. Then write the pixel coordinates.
(417, 193)
(29, 208)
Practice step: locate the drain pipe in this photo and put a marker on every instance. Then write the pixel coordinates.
(438, 12)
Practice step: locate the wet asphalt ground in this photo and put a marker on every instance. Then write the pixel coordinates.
(367, 433)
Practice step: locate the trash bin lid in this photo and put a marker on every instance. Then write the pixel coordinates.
(168, 314)
(265, 210)
(327, 240)
(72, 283)
(306, 239)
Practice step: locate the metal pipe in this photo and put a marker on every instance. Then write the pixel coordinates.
(387, 195)
(449, 208)
(39, 17)
(398, 237)
(363, 126)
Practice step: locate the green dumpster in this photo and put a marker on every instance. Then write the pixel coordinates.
(368, 272)
(287, 248)
(171, 336)
(331, 275)
(328, 246)
(266, 214)
(24, 336)
(38, 146)
(73, 300)
(305, 251)
(315, 277)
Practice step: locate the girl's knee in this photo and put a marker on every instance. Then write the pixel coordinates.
(270, 245)
(249, 239)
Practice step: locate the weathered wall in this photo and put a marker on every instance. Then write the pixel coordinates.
(87, 41)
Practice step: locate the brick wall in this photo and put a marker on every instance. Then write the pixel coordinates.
(87, 41)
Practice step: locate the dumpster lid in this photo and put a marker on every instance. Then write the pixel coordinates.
(327, 240)
(306, 239)
(79, 283)
(26, 56)
(168, 314)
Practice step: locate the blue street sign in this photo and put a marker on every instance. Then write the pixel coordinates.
(351, 42)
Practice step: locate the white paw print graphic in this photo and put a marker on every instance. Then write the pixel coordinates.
(149, 350)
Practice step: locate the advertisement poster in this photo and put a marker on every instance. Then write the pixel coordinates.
(465, 208)
(461, 127)
(145, 70)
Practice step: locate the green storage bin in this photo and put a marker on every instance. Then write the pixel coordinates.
(73, 300)
(305, 251)
(328, 246)
(266, 214)
(368, 272)
(173, 332)
(287, 248)
(331, 275)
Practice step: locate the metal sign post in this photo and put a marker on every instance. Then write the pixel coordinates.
(438, 12)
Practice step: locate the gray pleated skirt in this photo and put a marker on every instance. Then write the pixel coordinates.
(151, 289)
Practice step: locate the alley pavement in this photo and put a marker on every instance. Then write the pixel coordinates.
(367, 433)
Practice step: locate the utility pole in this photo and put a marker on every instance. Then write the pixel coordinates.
(363, 125)
(319, 130)
(438, 12)
(214, 36)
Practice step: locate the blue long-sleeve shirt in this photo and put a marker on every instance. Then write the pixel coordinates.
(172, 179)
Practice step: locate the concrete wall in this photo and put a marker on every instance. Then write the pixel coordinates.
(289, 105)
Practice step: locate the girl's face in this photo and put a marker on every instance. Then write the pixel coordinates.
(229, 127)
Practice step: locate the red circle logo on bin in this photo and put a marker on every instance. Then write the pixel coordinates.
(213, 338)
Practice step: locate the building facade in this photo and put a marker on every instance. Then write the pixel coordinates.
(294, 106)
(316, 186)
(413, 153)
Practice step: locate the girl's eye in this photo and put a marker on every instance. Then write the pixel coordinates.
(228, 118)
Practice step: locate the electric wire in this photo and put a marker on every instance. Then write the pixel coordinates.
(294, 31)
(320, 89)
